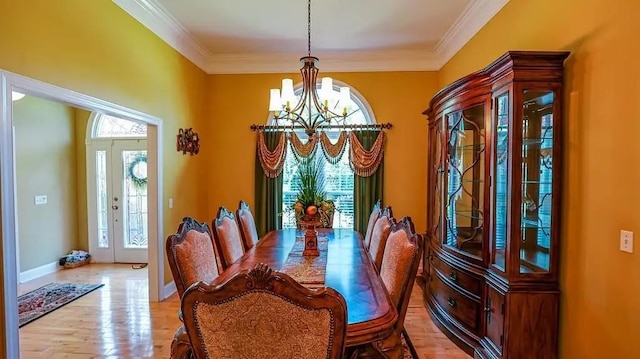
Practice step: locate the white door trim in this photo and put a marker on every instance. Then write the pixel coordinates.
(10, 81)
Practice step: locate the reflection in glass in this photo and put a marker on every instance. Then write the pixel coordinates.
(501, 178)
(465, 180)
(537, 180)
(135, 205)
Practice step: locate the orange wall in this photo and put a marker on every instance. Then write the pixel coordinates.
(237, 101)
(600, 285)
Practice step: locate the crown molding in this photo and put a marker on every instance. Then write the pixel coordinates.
(473, 18)
(353, 61)
(157, 19)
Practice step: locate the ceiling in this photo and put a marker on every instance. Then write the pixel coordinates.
(250, 36)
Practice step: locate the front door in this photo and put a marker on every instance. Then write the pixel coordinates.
(120, 230)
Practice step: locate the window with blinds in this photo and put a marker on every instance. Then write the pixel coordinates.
(339, 180)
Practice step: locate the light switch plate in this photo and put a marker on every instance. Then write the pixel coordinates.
(42, 199)
(626, 241)
(170, 202)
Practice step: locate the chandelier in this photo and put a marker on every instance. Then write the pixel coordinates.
(314, 108)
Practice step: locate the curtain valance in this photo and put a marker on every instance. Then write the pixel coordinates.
(363, 162)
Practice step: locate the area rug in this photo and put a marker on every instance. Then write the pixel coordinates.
(307, 270)
(48, 298)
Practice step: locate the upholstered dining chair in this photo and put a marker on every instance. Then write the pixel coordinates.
(264, 314)
(226, 235)
(191, 254)
(247, 226)
(398, 272)
(379, 235)
(373, 217)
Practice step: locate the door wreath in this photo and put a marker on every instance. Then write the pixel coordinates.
(138, 171)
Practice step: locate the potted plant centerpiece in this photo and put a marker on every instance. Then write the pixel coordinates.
(312, 204)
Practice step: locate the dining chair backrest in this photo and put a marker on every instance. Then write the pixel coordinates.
(379, 235)
(227, 238)
(191, 254)
(400, 265)
(373, 217)
(247, 226)
(263, 314)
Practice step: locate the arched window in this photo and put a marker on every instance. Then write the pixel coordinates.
(106, 126)
(339, 178)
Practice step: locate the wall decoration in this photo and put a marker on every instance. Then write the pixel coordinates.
(188, 141)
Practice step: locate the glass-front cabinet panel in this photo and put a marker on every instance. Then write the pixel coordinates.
(436, 172)
(537, 181)
(500, 179)
(465, 166)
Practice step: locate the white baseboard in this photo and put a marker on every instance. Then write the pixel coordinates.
(39, 271)
(168, 290)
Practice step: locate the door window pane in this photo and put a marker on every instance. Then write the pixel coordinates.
(135, 199)
(102, 199)
(109, 126)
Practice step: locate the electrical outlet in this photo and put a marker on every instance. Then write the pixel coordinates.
(626, 241)
(40, 200)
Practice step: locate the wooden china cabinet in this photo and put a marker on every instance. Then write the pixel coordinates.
(495, 151)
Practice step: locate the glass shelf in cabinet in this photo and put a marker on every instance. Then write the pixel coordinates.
(463, 208)
(534, 261)
(533, 223)
(466, 215)
(535, 141)
(479, 146)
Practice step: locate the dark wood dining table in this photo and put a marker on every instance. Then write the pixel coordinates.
(349, 270)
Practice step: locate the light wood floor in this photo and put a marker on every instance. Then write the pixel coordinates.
(117, 320)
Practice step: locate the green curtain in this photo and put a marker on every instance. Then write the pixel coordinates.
(366, 190)
(268, 192)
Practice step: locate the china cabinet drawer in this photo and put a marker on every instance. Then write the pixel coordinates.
(463, 308)
(460, 278)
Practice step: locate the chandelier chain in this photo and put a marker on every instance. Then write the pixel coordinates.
(309, 27)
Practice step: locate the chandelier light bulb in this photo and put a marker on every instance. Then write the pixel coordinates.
(275, 103)
(326, 89)
(287, 92)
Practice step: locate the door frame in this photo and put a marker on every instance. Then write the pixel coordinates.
(10, 81)
(102, 255)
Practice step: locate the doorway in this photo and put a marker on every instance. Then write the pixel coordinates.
(13, 82)
(117, 190)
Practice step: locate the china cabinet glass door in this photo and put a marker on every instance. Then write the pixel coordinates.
(537, 181)
(500, 179)
(465, 166)
(436, 172)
